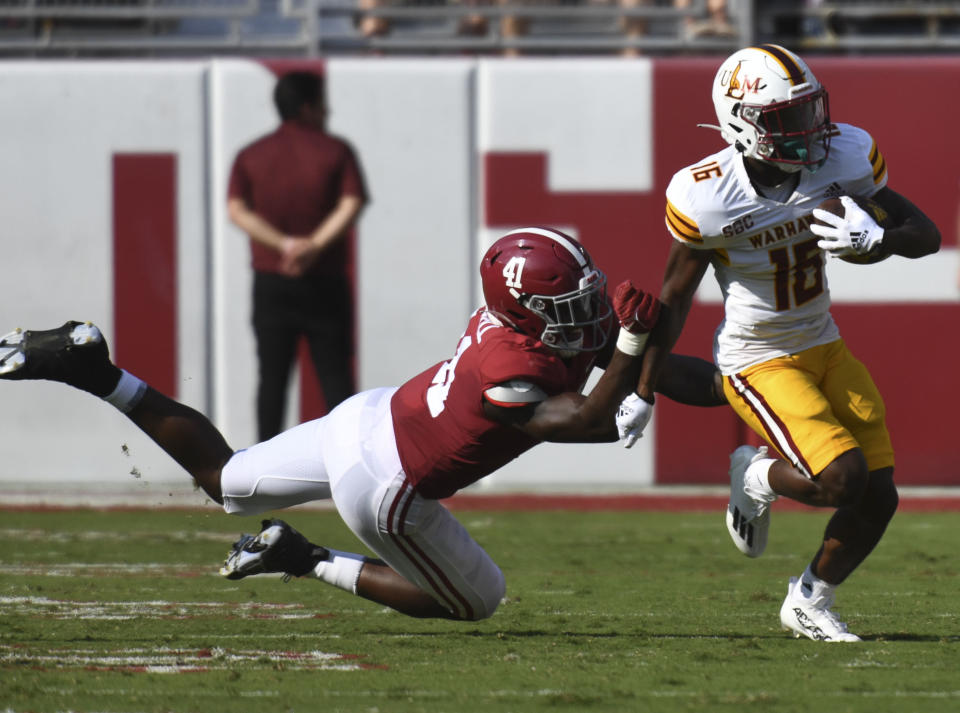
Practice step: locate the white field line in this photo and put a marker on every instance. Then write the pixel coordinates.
(101, 569)
(121, 610)
(34, 534)
(177, 660)
(755, 696)
(161, 609)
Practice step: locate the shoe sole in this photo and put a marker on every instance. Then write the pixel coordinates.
(828, 640)
(749, 536)
(12, 354)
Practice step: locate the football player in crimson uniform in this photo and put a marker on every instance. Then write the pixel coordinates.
(746, 211)
(386, 456)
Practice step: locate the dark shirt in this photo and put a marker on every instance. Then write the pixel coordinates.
(293, 178)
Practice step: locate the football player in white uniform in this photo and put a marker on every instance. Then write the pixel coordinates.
(749, 211)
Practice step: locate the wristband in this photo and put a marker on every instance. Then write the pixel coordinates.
(630, 343)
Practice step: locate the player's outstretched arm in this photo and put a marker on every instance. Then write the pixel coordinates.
(575, 418)
(691, 381)
(685, 269)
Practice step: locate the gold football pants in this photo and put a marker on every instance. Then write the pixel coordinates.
(813, 406)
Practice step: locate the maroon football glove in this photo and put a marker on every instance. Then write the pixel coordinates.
(637, 310)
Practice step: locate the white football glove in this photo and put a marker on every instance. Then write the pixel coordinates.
(632, 417)
(856, 233)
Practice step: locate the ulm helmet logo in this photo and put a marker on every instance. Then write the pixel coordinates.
(736, 90)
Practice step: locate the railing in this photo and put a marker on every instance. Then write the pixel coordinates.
(311, 27)
(537, 27)
(509, 27)
(859, 26)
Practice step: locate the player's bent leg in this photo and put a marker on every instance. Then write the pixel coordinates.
(429, 565)
(748, 512)
(378, 582)
(77, 354)
(186, 435)
(841, 483)
(853, 532)
(452, 564)
(850, 536)
(423, 544)
(285, 471)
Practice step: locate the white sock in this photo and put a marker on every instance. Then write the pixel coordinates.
(341, 569)
(757, 480)
(812, 587)
(127, 393)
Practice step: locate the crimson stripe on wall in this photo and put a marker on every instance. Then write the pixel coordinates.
(145, 267)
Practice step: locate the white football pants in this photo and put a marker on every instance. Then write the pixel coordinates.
(351, 455)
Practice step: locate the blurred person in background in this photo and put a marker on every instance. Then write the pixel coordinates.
(371, 25)
(297, 193)
(387, 456)
(632, 27)
(715, 24)
(751, 212)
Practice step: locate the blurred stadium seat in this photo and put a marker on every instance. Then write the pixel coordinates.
(310, 28)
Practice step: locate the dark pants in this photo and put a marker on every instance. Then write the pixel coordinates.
(320, 309)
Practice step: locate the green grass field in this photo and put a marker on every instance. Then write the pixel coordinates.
(123, 612)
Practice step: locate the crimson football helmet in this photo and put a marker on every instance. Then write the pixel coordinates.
(771, 107)
(543, 283)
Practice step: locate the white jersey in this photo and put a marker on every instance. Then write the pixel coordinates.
(766, 259)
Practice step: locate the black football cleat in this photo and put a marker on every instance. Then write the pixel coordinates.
(278, 548)
(74, 354)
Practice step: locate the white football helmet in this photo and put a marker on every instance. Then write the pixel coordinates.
(772, 108)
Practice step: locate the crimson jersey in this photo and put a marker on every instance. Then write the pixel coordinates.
(444, 440)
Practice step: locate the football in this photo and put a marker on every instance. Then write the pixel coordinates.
(833, 205)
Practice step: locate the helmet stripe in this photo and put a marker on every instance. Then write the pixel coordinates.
(556, 237)
(786, 60)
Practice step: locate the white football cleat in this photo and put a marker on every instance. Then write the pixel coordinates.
(748, 512)
(810, 616)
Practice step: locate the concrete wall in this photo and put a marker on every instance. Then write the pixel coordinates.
(455, 152)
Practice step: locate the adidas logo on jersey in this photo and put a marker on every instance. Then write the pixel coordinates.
(834, 190)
